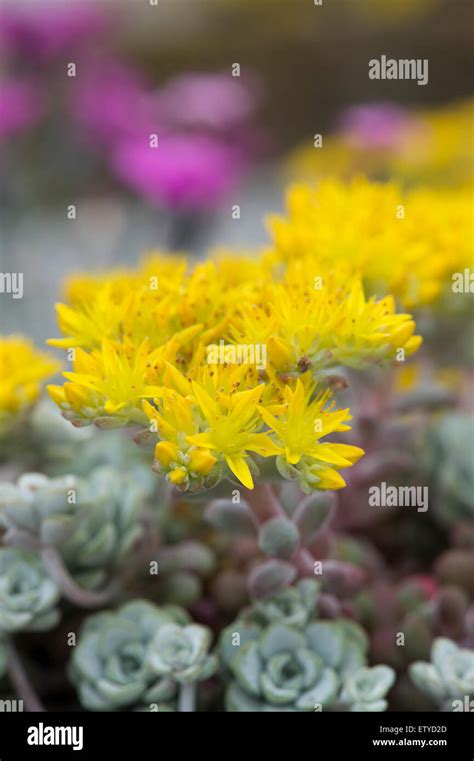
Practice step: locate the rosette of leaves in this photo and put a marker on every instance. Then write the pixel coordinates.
(183, 567)
(299, 668)
(105, 534)
(40, 510)
(181, 653)
(27, 595)
(366, 688)
(448, 465)
(110, 665)
(295, 606)
(449, 676)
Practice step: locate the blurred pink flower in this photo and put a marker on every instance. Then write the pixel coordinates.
(110, 101)
(20, 106)
(207, 101)
(45, 30)
(377, 126)
(185, 172)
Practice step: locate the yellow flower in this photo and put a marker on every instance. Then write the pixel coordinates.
(220, 359)
(107, 386)
(88, 322)
(405, 244)
(22, 372)
(173, 418)
(299, 426)
(231, 431)
(307, 328)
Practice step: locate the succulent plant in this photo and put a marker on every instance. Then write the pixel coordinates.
(27, 595)
(182, 568)
(448, 464)
(450, 675)
(181, 653)
(110, 664)
(119, 453)
(105, 535)
(295, 606)
(284, 667)
(38, 509)
(279, 537)
(60, 449)
(365, 689)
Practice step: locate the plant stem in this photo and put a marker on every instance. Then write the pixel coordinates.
(85, 598)
(20, 680)
(187, 698)
(265, 505)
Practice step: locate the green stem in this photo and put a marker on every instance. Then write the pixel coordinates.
(187, 698)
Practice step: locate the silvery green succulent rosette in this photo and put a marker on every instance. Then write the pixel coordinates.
(137, 656)
(296, 663)
(51, 445)
(295, 606)
(41, 510)
(105, 536)
(28, 597)
(449, 678)
(94, 522)
(184, 567)
(181, 653)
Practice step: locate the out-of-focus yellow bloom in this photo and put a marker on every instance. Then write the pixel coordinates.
(23, 369)
(404, 244)
(433, 147)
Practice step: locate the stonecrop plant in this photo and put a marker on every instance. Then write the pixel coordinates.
(229, 361)
(211, 553)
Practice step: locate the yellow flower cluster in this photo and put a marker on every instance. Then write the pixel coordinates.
(224, 361)
(407, 244)
(23, 369)
(436, 150)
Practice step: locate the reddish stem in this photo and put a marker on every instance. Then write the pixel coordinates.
(265, 505)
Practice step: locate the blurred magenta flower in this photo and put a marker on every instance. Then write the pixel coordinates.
(20, 106)
(203, 122)
(377, 126)
(45, 30)
(207, 101)
(111, 100)
(185, 172)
